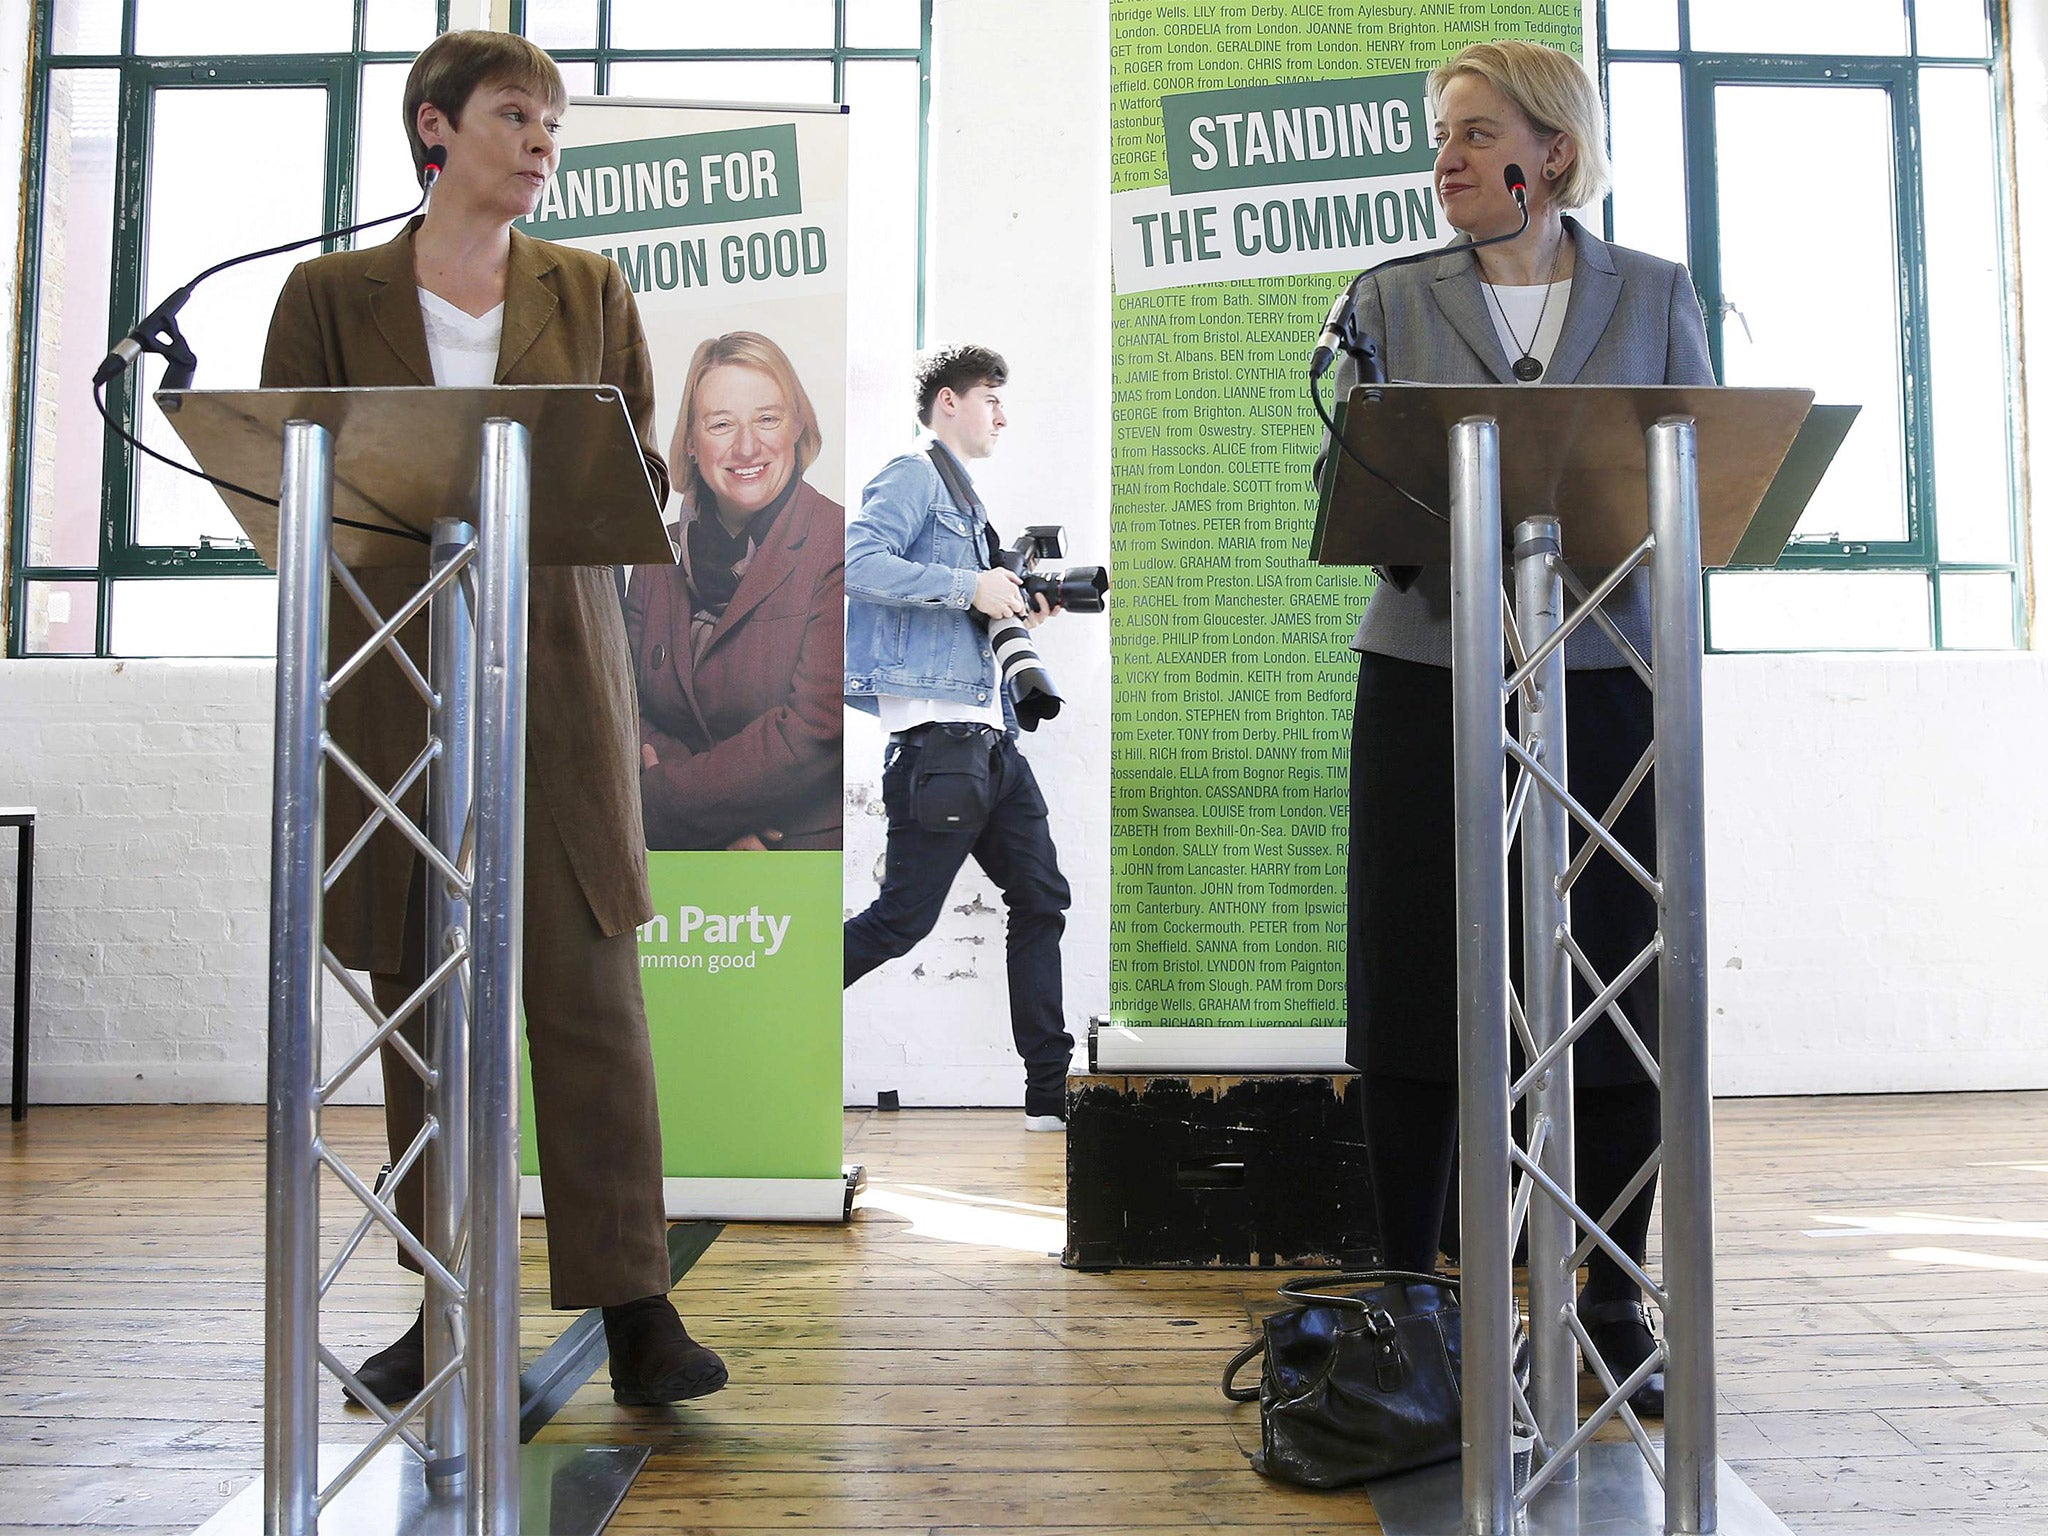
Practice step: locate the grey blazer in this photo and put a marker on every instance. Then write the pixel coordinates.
(1632, 319)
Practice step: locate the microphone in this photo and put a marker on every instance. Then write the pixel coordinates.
(157, 332)
(1340, 331)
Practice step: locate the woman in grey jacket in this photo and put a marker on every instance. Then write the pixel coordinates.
(1559, 306)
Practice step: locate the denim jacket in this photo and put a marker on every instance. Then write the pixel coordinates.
(912, 558)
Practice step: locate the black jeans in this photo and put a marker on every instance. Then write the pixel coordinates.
(1014, 846)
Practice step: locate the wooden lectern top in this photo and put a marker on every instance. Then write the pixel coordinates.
(1570, 451)
(406, 456)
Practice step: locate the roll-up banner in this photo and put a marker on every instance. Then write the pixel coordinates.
(730, 227)
(1260, 154)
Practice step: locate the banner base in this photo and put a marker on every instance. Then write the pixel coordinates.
(1116, 1047)
(742, 1199)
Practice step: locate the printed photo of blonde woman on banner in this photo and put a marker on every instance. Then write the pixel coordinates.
(730, 227)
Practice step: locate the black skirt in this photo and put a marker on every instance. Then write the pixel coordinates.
(1402, 962)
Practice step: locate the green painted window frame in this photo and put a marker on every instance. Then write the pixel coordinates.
(140, 75)
(1700, 71)
(340, 74)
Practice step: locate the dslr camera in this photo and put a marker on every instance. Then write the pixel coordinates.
(1077, 588)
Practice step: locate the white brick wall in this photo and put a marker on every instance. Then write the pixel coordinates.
(1877, 857)
(1877, 867)
(151, 781)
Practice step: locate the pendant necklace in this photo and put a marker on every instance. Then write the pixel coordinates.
(1526, 367)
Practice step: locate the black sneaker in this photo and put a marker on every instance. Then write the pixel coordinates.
(1620, 1330)
(397, 1372)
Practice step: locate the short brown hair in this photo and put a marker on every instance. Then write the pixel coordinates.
(451, 68)
(1552, 90)
(958, 368)
(743, 349)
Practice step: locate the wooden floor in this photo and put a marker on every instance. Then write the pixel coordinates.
(1884, 1365)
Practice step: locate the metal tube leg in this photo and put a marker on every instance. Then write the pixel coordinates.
(291, 1291)
(1547, 990)
(1479, 736)
(1689, 1429)
(494, 1042)
(449, 786)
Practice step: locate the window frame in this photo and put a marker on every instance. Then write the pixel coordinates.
(140, 76)
(119, 557)
(1700, 72)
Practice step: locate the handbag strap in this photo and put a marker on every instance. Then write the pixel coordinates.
(1238, 1362)
(1310, 1289)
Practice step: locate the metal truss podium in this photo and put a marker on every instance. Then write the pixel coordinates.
(1663, 479)
(387, 478)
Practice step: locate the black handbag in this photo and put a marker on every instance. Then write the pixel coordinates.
(1358, 1383)
(949, 781)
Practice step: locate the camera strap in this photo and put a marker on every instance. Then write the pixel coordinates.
(961, 489)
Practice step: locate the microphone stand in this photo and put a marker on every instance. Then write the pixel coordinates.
(157, 335)
(1341, 334)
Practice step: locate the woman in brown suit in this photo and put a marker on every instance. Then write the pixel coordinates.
(461, 297)
(737, 650)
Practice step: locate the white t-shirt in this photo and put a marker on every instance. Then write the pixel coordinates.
(901, 714)
(1528, 319)
(462, 347)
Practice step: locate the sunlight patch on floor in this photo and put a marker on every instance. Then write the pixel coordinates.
(1919, 1224)
(1954, 1258)
(948, 1217)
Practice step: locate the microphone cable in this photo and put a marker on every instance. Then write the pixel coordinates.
(1340, 335)
(157, 333)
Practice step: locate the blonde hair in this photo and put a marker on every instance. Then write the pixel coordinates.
(1552, 90)
(743, 349)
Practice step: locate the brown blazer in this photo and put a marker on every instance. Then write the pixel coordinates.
(354, 318)
(749, 736)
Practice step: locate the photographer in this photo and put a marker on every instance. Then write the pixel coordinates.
(923, 585)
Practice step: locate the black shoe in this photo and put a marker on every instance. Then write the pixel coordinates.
(654, 1359)
(1620, 1330)
(398, 1371)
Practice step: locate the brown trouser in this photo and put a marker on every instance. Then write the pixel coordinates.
(593, 1084)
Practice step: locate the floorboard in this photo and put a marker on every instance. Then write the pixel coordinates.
(930, 1368)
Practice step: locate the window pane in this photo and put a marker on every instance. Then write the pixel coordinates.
(72, 299)
(715, 24)
(1965, 319)
(882, 255)
(1976, 611)
(1818, 611)
(562, 23)
(1831, 326)
(86, 26)
(1648, 120)
(394, 25)
(203, 154)
(1952, 29)
(776, 82)
(892, 24)
(243, 26)
(1642, 23)
(385, 180)
(62, 618)
(195, 616)
(579, 76)
(1800, 26)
